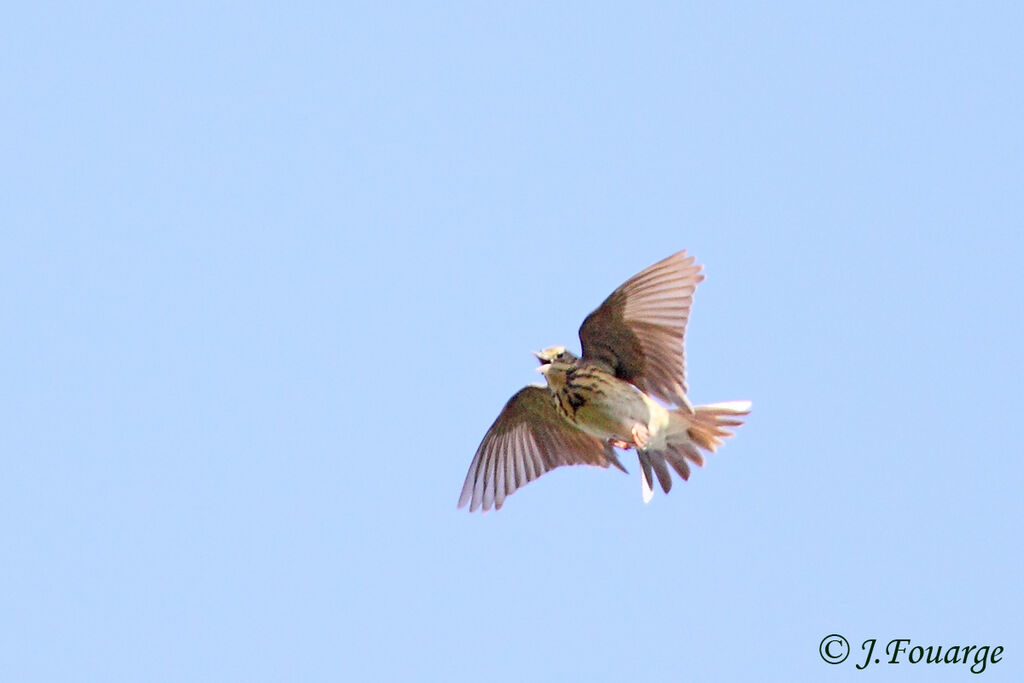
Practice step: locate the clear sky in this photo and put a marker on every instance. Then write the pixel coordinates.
(267, 275)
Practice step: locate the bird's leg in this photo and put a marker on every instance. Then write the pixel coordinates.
(640, 435)
(619, 443)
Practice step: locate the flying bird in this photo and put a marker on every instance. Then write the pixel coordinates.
(609, 397)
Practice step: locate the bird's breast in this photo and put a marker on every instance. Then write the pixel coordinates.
(603, 406)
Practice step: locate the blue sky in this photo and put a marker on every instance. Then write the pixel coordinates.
(267, 275)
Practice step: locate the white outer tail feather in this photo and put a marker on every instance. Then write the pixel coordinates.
(646, 490)
(704, 428)
(736, 407)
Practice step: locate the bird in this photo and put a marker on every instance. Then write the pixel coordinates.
(627, 390)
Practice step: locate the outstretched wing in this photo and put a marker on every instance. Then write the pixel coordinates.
(638, 331)
(528, 439)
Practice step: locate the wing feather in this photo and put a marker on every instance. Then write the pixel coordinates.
(528, 439)
(638, 331)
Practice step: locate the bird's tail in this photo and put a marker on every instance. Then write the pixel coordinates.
(705, 428)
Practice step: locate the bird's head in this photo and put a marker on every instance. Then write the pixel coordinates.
(554, 354)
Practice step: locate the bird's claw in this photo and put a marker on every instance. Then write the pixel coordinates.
(640, 435)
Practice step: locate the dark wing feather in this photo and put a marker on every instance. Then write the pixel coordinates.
(528, 439)
(638, 331)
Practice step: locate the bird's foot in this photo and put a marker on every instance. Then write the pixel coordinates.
(619, 443)
(640, 435)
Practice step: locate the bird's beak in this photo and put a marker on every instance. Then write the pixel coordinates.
(543, 369)
(539, 356)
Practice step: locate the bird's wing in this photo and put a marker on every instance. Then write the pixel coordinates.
(528, 439)
(638, 331)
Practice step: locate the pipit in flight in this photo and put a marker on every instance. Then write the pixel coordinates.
(632, 355)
